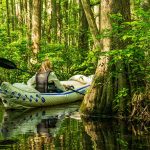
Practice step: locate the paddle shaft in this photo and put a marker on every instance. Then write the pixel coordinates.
(77, 92)
(69, 88)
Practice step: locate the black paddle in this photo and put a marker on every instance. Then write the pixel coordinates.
(5, 63)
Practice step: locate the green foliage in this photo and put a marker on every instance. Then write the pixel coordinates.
(15, 51)
(67, 57)
(89, 65)
(61, 56)
(67, 61)
(123, 143)
(134, 52)
(119, 96)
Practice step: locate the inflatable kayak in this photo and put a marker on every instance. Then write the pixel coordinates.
(20, 95)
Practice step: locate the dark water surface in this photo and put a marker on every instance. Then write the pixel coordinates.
(62, 128)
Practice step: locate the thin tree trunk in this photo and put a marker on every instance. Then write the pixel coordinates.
(65, 26)
(36, 28)
(48, 26)
(29, 27)
(12, 15)
(8, 20)
(45, 19)
(21, 16)
(83, 34)
(59, 18)
(91, 22)
(54, 21)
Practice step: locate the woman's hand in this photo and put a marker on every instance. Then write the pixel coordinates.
(68, 87)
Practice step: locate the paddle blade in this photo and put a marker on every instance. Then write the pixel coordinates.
(7, 64)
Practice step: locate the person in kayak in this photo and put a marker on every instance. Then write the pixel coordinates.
(45, 80)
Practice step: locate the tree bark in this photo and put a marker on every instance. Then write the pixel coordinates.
(102, 92)
(8, 20)
(59, 18)
(29, 27)
(12, 15)
(83, 43)
(36, 28)
(54, 21)
(91, 22)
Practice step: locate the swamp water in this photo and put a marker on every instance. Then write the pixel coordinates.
(61, 128)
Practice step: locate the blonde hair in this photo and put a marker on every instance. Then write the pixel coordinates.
(45, 66)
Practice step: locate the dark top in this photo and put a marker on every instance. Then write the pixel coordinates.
(45, 86)
(42, 82)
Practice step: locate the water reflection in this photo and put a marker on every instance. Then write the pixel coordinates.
(61, 127)
(108, 134)
(16, 122)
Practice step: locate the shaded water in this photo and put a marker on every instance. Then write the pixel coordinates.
(61, 128)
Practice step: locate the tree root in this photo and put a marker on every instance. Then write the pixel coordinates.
(140, 107)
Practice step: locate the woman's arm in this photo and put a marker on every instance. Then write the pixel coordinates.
(53, 77)
(31, 81)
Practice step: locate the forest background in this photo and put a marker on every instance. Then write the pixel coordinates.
(32, 30)
(79, 36)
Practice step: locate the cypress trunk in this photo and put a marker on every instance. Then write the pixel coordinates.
(105, 86)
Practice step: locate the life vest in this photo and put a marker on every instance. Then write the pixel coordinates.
(42, 82)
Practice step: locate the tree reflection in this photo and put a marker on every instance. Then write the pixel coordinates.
(109, 134)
